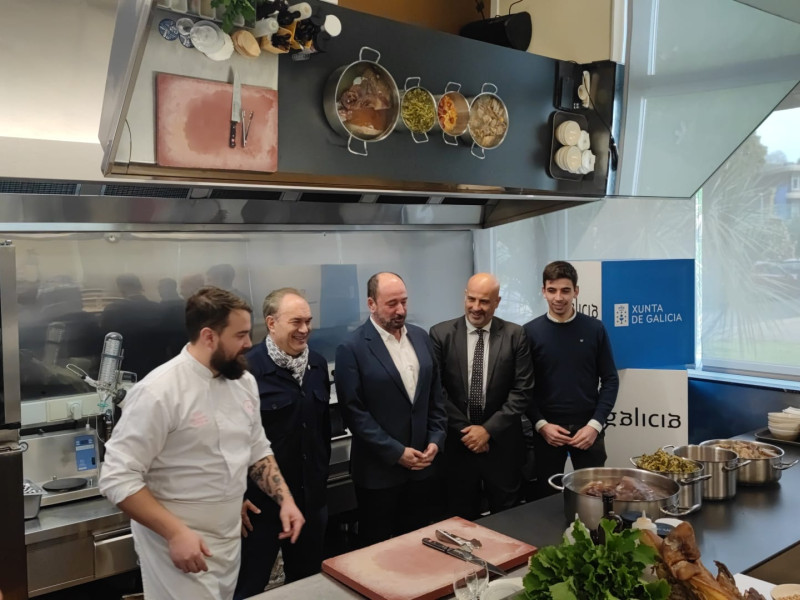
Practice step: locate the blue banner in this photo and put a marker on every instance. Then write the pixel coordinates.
(648, 311)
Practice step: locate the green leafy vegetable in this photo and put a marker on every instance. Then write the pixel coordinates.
(585, 571)
(234, 8)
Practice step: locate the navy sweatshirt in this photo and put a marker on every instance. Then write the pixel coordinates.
(569, 361)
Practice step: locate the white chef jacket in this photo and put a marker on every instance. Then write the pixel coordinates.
(190, 438)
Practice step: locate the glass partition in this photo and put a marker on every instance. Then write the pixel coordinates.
(701, 76)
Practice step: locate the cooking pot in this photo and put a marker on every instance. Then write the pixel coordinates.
(419, 136)
(488, 93)
(722, 465)
(590, 508)
(452, 91)
(760, 471)
(340, 81)
(691, 493)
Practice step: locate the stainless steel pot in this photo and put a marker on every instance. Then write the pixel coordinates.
(341, 80)
(722, 465)
(453, 91)
(478, 150)
(590, 508)
(420, 137)
(760, 471)
(691, 493)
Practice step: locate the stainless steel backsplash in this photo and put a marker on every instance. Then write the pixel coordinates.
(66, 281)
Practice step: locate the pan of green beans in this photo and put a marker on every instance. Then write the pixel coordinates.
(689, 474)
(417, 110)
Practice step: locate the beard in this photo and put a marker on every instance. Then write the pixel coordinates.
(232, 368)
(395, 323)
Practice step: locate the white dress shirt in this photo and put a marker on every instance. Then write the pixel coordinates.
(472, 341)
(403, 356)
(185, 434)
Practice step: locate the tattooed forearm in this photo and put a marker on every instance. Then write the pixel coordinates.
(267, 476)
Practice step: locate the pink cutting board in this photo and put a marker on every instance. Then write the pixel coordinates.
(193, 120)
(403, 569)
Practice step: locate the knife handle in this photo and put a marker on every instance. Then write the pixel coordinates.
(232, 143)
(438, 545)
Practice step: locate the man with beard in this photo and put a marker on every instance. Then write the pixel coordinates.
(488, 378)
(391, 397)
(179, 457)
(294, 387)
(575, 380)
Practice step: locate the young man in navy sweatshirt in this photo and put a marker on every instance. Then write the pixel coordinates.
(575, 380)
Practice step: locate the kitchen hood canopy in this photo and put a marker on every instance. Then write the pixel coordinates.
(27, 205)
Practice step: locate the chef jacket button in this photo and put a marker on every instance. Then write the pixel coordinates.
(304, 425)
(304, 457)
(274, 406)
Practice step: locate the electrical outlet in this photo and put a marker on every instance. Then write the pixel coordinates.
(57, 411)
(75, 410)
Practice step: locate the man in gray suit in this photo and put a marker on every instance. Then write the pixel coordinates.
(487, 375)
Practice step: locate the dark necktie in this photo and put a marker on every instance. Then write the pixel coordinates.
(476, 385)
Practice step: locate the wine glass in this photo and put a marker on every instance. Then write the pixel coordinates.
(470, 580)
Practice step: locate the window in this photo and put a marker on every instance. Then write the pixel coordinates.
(749, 243)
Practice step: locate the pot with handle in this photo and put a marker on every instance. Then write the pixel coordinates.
(722, 465)
(590, 508)
(691, 493)
(452, 110)
(486, 99)
(415, 121)
(760, 471)
(341, 81)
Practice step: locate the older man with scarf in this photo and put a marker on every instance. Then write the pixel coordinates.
(294, 389)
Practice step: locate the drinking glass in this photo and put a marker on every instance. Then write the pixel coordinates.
(470, 580)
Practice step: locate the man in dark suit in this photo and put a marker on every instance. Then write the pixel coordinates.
(487, 377)
(390, 394)
(294, 389)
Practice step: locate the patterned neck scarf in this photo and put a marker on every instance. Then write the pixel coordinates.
(295, 365)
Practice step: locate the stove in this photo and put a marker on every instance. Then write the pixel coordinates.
(65, 464)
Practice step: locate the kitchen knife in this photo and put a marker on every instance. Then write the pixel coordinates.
(452, 538)
(236, 106)
(463, 555)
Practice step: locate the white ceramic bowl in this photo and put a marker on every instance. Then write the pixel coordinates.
(784, 591)
(783, 434)
(568, 133)
(568, 158)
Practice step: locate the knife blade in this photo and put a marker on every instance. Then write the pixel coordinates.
(236, 106)
(463, 555)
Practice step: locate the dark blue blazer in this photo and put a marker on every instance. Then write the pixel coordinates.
(297, 422)
(376, 408)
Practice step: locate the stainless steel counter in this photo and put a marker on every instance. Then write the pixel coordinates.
(81, 517)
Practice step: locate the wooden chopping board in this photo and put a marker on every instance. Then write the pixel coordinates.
(193, 118)
(403, 569)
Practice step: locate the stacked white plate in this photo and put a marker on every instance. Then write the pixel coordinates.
(784, 425)
(574, 156)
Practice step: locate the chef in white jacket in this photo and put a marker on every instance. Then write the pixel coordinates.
(178, 459)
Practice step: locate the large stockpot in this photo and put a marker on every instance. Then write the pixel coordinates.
(488, 93)
(691, 493)
(760, 471)
(341, 80)
(722, 465)
(590, 508)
